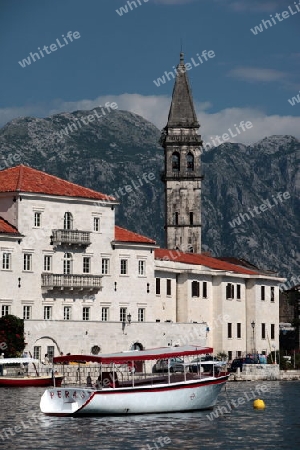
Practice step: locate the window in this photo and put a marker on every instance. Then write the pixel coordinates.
(191, 219)
(67, 312)
(190, 162)
(85, 313)
(5, 310)
(96, 223)
(230, 355)
(272, 294)
(157, 288)
(124, 266)
(47, 312)
(27, 266)
(50, 352)
(239, 330)
(68, 263)
(105, 266)
(37, 352)
(104, 316)
(168, 287)
(229, 291)
(263, 331)
(229, 330)
(123, 312)
(6, 261)
(141, 315)
(86, 264)
(37, 219)
(68, 221)
(204, 289)
(26, 312)
(195, 288)
(262, 293)
(142, 267)
(272, 331)
(175, 162)
(47, 263)
(238, 292)
(238, 353)
(175, 218)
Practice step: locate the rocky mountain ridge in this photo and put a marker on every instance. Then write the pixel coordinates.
(122, 150)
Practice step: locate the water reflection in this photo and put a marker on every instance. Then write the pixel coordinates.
(276, 427)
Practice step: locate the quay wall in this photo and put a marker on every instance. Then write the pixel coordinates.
(266, 372)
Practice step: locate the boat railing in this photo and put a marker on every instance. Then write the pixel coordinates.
(95, 375)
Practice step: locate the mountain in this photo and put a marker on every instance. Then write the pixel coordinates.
(250, 196)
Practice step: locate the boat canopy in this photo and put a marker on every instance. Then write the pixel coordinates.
(136, 355)
(18, 360)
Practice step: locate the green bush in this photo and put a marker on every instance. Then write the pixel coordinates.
(12, 341)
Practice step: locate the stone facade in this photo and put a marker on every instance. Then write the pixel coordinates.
(78, 280)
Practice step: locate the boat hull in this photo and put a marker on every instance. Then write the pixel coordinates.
(30, 381)
(177, 397)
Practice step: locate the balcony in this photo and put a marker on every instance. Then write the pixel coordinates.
(182, 175)
(71, 237)
(71, 282)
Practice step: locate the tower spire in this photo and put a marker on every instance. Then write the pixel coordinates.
(182, 112)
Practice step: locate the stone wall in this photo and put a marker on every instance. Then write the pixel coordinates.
(252, 372)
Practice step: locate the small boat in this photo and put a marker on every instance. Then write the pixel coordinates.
(14, 373)
(126, 385)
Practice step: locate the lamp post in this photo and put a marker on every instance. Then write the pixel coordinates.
(253, 328)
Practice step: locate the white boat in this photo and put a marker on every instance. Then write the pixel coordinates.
(14, 373)
(139, 393)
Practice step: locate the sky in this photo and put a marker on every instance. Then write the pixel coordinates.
(116, 56)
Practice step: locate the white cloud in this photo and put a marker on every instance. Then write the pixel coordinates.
(156, 109)
(257, 74)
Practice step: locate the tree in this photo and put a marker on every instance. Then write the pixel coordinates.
(12, 341)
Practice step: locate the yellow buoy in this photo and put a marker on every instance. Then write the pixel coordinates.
(259, 404)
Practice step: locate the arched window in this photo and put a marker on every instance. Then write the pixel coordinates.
(137, 346)
(190, 162)
(68, 263)
(175, 162)
(68, 221)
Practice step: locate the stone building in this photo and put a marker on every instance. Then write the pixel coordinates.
(81, 282)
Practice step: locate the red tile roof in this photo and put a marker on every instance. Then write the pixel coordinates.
(123, 235)
(199, 259)
(244, 263)
(25, 179)
(7, 228)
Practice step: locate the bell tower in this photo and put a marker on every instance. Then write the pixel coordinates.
(182, 173)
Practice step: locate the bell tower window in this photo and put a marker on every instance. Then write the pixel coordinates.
(190, 162)
(191, 218)
(175, 218)
(176, 162)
